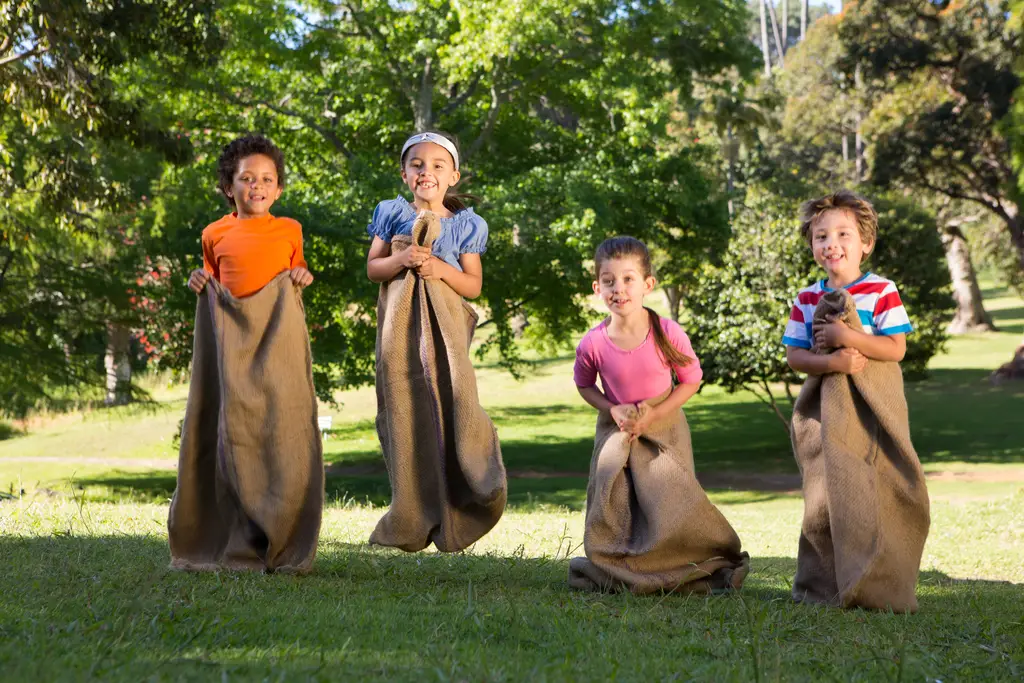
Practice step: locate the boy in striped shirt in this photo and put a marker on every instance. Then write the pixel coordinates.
(841, 230)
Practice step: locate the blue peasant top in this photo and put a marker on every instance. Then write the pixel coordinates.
(463, 233)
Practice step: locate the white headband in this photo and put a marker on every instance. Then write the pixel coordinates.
(437, 140)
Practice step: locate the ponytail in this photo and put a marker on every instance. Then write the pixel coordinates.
(670, 355)
(625, 246)
(453, 201)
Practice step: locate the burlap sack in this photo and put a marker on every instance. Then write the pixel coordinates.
(250, 468)
(447, 478)
(865, 502)
(649, 525)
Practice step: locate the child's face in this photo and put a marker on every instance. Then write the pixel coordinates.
(255, 186)
(622, 286)
(429, 171)
(838, 246)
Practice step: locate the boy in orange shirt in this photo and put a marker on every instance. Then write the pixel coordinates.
(250, 481)
(247, 248)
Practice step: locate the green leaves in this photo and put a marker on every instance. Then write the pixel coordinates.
(738, 310)
(560, 111)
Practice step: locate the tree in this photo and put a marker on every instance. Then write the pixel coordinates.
(792, 25)
(561, 112)
(740, 307)
(819, 111)
(823, 103)
(77, 155)
(957, 141)
(953, 141)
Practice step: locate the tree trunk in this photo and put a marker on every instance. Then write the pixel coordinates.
(423, 103)
(846, 156)
(765, 54)
(730, 182)
(1015, 222)
(785, 25)
(858, 144)
(803, 18)
(775, 32)
(674, 298)
(971, 315)
(1012, 370)
(118, 365)
(519, 321)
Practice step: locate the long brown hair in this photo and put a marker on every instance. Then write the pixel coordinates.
(453, 201)
(625, 246)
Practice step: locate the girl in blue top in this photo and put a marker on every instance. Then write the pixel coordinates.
(430, 168)
(448, 483)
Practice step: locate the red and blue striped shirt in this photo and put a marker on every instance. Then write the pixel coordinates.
(878, 304)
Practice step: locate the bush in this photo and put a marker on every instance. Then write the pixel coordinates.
(738, 311)
(909, 252)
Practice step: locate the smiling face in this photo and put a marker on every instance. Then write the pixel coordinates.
(429, 170)
(622, 285)
(255, 186)
(838, 246)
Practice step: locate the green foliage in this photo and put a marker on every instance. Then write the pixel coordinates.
(910, 253)
(738, 310)
(1017, 117)
(821, 104)
(948, 69)
(561, 113)
(77, 154)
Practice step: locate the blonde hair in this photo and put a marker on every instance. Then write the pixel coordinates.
(843, 200)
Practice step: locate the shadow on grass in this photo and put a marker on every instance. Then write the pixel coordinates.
(524, 492)
(157, 486)
(9, 431)
(107, 557)
(957, 415)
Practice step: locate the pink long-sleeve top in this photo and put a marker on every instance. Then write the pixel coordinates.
(634, 375)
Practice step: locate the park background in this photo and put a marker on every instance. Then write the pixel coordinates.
(698, 126)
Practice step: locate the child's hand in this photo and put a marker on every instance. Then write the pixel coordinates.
(831, 336)
(197, 280)
(643, 421)
(431, 269)
(848, 361)
(414, 256)
(624, 415)
(301, 277)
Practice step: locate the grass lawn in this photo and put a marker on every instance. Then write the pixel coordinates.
(87, 594)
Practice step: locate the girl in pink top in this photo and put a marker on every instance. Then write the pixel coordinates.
(649, 525)
(635, 351)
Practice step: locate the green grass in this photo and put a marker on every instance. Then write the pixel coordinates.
(88, 586)
(87, 593)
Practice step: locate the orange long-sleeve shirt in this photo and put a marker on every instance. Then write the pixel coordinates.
(245, 254)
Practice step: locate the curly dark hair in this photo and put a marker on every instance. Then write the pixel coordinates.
(240, 148)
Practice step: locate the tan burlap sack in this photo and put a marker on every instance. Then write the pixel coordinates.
(448, 482)
(649, 525)
(250, 468)
(866, 512)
